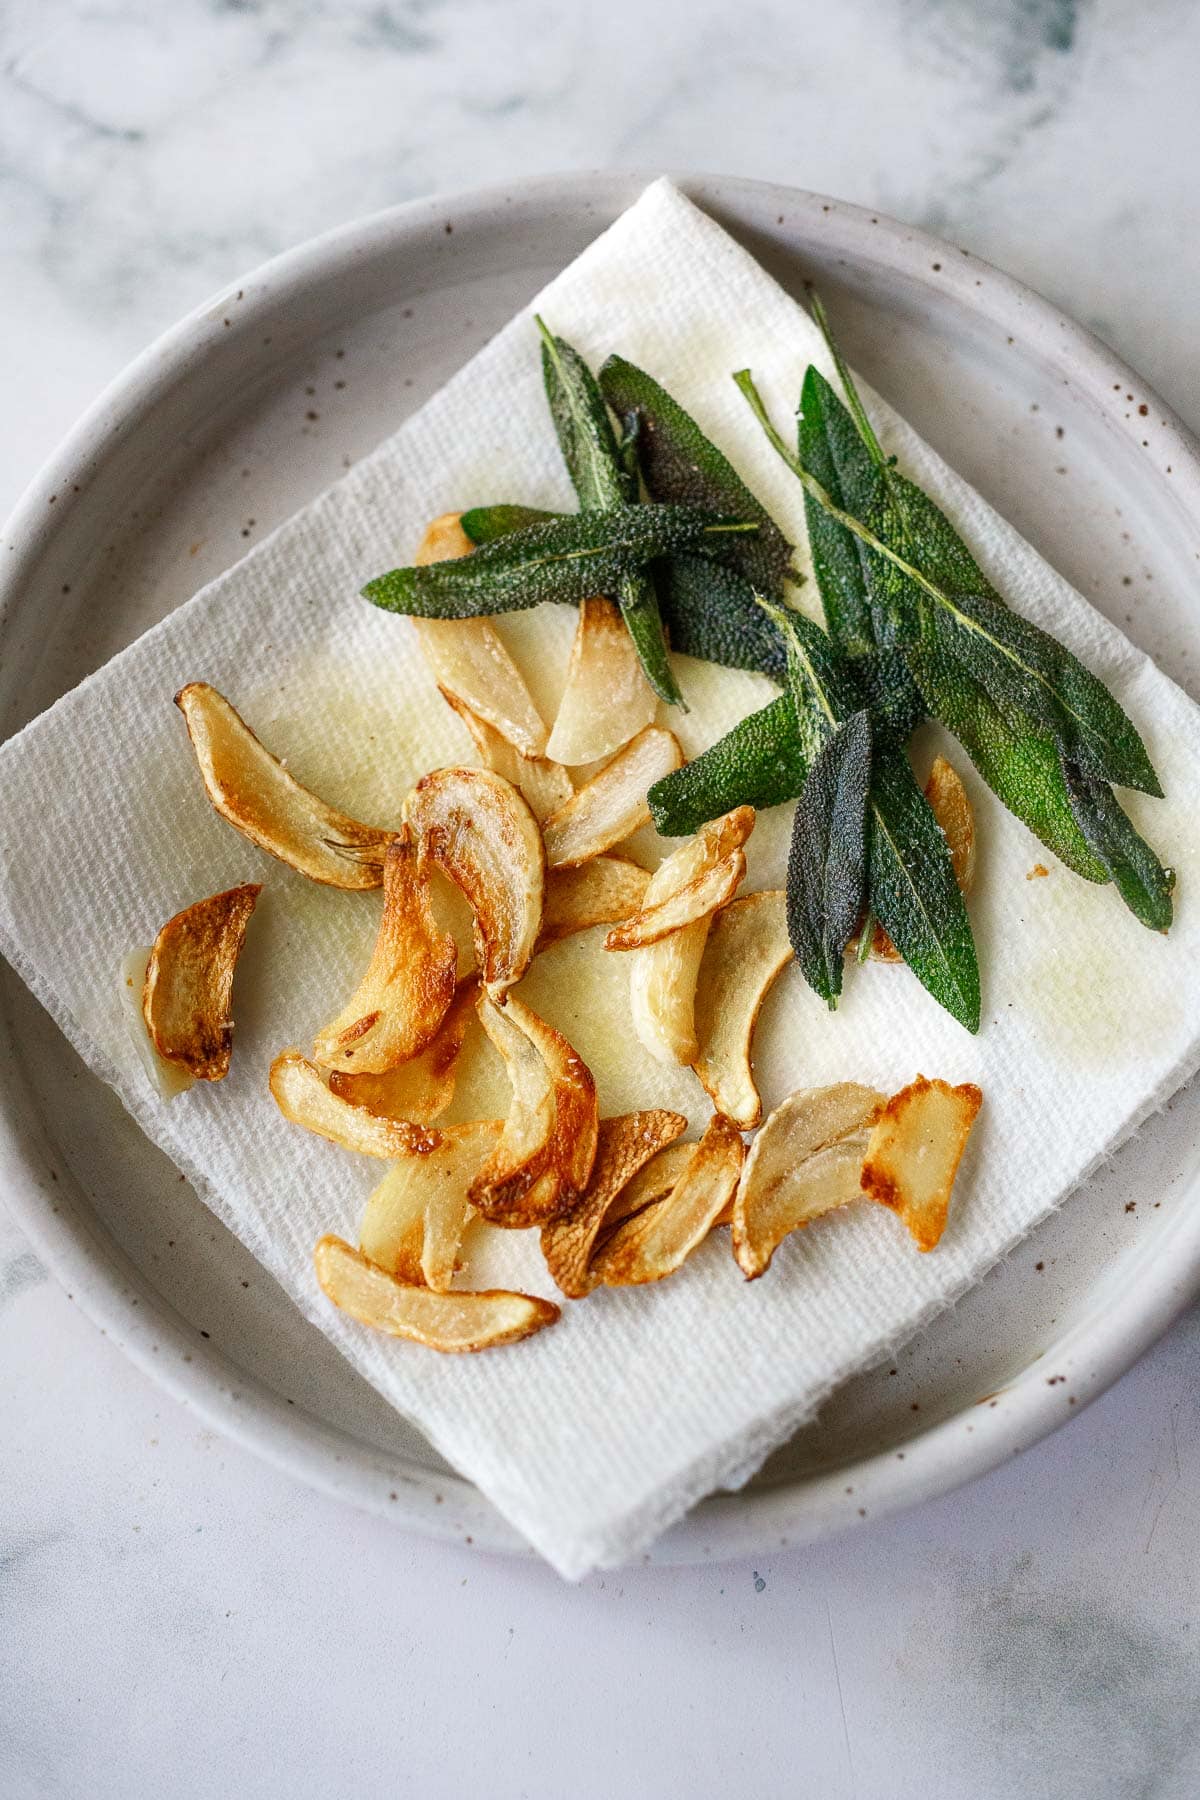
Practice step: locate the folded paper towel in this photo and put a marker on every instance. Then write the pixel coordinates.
(595, 1435)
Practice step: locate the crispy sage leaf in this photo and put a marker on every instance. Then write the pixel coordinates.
(827, 866)
(565, 560)
(484, 524)
(1027, 664)
(604, 476)
(682, 467)
(585, 434)
(862, 594)
(637, 597)
(945, 596)
(761, 762)
(1014, 660)
(711, 611)
(1142, 882)
(1017, 757)
(911, 886)
(830, 445)
(912, 890)
(1019, 761)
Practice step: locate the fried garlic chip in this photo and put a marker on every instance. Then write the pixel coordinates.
(952, 809)
(914, 1152)
(423, 1087)
(698, 900)
(624, 1146)
(663, 973)
(299, 1091)
(613, 803)
(444, 541)
(252, 789)
(545, 784)
(543, 1161)
(476, 828)
(596, 893)
(188, 985)
(403, 997)
(654, 1242)
(167, 1079)
(806, 1160)
(414, 1220)
(705, 873)
(662, 993)
(467, 658)
(607, 699)
(746, 949)
(453, 1322)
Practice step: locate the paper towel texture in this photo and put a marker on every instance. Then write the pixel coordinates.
(595, 1435)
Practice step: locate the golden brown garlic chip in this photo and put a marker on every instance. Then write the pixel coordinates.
(403, 997)
(188, 987)
(746, 949)
(705, 873)
(252, 789)
(655, 1241)
(914, 1152)
(544, 1159)
(952, 809)
(806, 1160)
(596, 893)
(663, 974)
(453, 1322)
(423, 1087)
(467, 658)
(651, 1183)
(613, 803)
(414, 1220)
(545, 784)
(662, 993)
(299, 1091)
(607, 699)
(167, 1079)
(475, 827)
(624, 1146)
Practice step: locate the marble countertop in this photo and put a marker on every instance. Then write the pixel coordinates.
(176, 1616)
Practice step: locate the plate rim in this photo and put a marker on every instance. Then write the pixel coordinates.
(103, 1281)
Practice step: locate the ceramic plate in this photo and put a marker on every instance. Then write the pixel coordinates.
(245, 412)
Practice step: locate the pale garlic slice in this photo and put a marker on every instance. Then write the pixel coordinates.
(607, 699)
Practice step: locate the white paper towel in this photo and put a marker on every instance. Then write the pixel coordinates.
(595, 1435)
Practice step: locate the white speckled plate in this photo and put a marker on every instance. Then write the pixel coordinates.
(247, 410)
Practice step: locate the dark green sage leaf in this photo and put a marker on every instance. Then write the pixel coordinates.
(1010, 656)
(762, 762)
(1142, 882)
(911, 883)
(680, 466)
(1017, 755)
(912, 890)
(585, 433)
(565, 560)
(605, 475)
(830, 445)
(827, 866)
(712, 612)
(1014, 660)
(822, 681)
(1018, 760)
(637, 597)
(484, 524)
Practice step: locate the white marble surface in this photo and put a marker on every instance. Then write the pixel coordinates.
(174, 1616)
